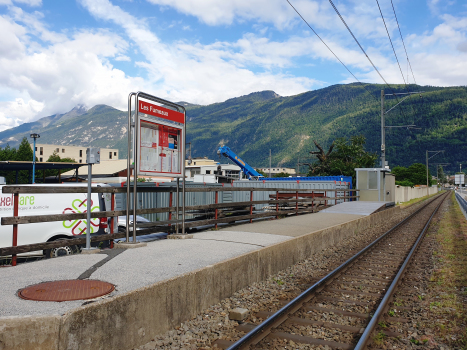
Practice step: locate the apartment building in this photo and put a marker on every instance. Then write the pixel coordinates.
(278, 170)
(78, 153)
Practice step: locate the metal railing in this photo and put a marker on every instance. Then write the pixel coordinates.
(462, 203)
(285, 202)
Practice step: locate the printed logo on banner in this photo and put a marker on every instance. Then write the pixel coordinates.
(78, 226)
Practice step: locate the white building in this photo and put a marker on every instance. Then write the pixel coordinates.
(78, 153)
(205, 170)
(278, 170)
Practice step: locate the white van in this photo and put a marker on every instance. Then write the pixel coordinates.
(54, 203)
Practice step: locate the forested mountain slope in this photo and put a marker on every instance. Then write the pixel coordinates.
(288, 125)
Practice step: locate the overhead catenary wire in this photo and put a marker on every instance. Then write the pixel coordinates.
(332, 51)
(366, 55)
(406, 55)
(395, 55)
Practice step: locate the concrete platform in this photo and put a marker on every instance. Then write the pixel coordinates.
(358, 208)
(129, 270)
(296, 226)
(162, 284)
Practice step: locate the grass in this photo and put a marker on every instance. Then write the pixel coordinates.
(379, 338)
(415, 200)
(278, 281)
(448, 290)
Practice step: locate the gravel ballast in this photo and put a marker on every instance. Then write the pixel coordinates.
(269, 295)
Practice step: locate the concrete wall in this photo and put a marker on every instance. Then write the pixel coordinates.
(405, 194)
(130, 320)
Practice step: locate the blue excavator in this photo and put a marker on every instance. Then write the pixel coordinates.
(246, 169)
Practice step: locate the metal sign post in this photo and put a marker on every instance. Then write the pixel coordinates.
(92, 157)
(158, 127)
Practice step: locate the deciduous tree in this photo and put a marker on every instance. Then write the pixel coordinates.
(342, 158)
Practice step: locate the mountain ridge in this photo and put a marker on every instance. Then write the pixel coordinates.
(254, 123)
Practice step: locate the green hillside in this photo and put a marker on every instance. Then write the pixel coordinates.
(288, 125)
(252, 124)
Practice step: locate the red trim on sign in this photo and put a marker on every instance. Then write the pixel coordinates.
(161, 112)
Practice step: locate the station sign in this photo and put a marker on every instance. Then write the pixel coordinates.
(161, 134)
(161, 112)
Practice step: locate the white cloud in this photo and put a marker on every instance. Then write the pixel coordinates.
(11, 39)
(13, 113)
(53, 71)
(30, 2)
(203, 73)
(54, 79)
(35, 24)
(123, 58)
(214, 12)
(433, 6)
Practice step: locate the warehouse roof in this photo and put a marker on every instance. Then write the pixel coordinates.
(20, 165)
(106, 167)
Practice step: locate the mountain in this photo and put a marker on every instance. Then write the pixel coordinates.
(288, 125)
(100, 126)
(252, 124)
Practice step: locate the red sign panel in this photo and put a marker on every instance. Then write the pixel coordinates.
(161, 112)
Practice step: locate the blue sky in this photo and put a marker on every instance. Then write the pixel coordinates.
(56, 54)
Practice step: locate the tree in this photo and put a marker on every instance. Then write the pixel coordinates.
(55, 158)
(413, 175)
(323, 166)
(281, 175)
(8, 153)
(24, 152)
(441, 175)
(262, 172)
(342, 158)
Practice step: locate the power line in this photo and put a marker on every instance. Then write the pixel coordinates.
(395, 55)
(332, 51)
(406, 55)
(361, 48)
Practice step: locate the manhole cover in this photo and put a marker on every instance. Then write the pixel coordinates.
(66, 290)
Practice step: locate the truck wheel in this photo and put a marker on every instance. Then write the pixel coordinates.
(61, 251)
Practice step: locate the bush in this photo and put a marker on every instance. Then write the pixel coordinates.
(406, 183)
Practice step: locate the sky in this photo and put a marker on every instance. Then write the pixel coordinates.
(57, 54)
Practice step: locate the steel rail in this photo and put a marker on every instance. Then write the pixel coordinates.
(271, 321)
(362, 343)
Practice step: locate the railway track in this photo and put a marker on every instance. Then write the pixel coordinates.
(342, 309)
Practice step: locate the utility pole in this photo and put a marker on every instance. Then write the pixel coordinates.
(383, 133)
(435, 153)
(34, 136)
(189, 152)
(383, 124)
(269, 163)
(427, 188)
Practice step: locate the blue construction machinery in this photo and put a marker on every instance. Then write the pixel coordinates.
(254, 175)
(247, 170)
